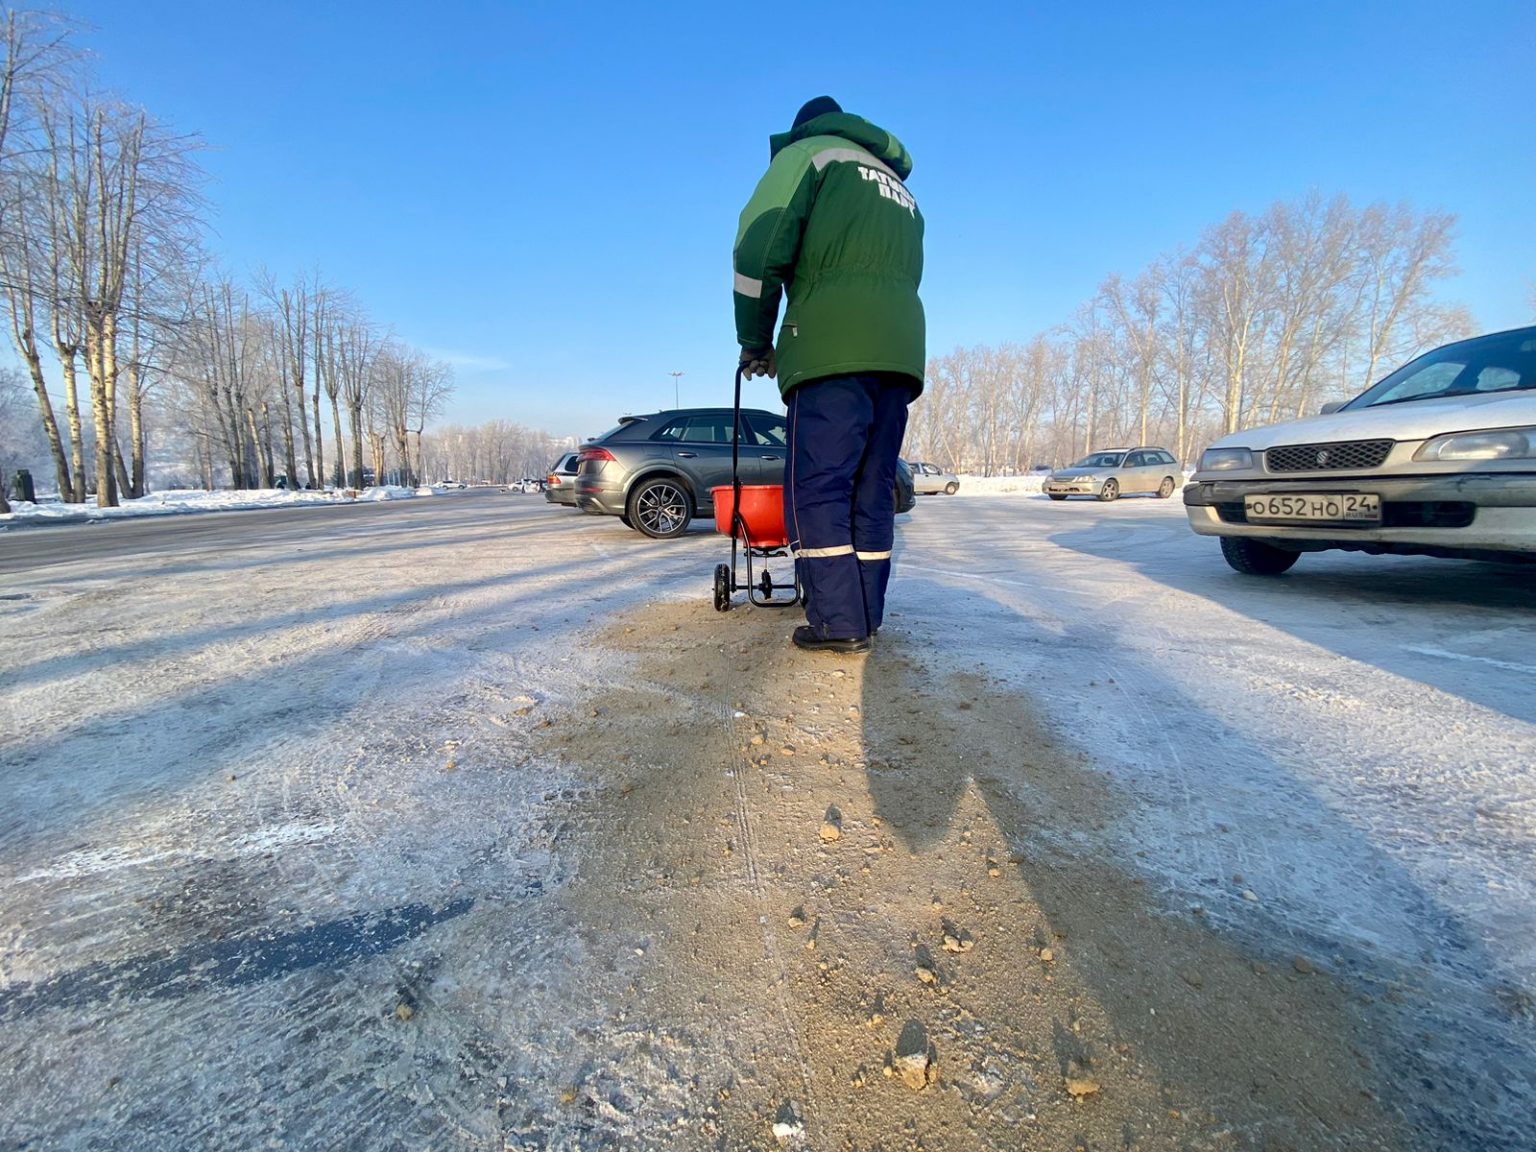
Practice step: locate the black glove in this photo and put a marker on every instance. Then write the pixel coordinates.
(759, 362)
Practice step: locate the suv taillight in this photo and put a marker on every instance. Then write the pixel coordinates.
(552, 480)
(599, 454)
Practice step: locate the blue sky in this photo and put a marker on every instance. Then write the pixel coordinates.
(546, 194)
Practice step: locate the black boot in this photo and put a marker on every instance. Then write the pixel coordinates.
(805, 637)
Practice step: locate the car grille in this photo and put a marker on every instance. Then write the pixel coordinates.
(1343, 456)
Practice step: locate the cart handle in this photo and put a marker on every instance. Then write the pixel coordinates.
(736, 518)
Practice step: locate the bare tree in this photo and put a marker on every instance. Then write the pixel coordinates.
(1238, 289)
(95, 153)
(292, 309)
(1136, 312)
(1179, 342)
(432, 385)
(330, 320)
(410, 390)
(392, 394)
(1401, 257)
(159, 310)
(356, 348)
(319, 313)
(220, 361)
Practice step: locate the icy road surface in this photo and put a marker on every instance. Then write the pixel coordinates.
(290, 854)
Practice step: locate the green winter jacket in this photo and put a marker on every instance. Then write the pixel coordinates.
(832, 224)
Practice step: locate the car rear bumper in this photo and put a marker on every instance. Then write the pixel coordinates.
(565, 494)
(596, 496)
(1465, 513)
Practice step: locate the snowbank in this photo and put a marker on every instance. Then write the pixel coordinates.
(999, 485)
(178, 501)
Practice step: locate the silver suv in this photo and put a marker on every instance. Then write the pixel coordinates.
(655, 471)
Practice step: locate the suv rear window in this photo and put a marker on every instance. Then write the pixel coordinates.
(627, 422)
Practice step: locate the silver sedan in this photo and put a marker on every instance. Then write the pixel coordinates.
(929, 479)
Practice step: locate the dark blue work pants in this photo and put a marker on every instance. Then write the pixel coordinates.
(845, 434)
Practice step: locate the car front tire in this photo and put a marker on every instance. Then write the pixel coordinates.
(951, 488)
(1057, 495)
(1256, 558)
(1165, 489)
(1110, 491)
(659, 508)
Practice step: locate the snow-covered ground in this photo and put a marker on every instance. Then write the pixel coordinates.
(181, 500)
(265, 802)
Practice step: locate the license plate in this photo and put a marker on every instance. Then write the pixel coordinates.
(1339, 507)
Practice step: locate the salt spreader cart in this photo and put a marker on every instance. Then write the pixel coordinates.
(753, 516)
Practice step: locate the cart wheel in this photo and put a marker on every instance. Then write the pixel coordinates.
(765, 585)
(722, 588)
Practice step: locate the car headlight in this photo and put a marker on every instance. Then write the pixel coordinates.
(1225, 459)
(1493, 444)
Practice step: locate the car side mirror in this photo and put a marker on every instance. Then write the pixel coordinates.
(1331, 407)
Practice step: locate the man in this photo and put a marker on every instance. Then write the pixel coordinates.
(833, 226)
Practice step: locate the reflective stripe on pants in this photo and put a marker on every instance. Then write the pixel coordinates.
(845, 433)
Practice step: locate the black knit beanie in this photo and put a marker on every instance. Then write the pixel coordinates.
(811, 109)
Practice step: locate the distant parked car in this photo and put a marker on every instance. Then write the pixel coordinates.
(1436, 459)
(1116, 472)
(929, 479)
(560, 484)
(450, 484)
(655, 471)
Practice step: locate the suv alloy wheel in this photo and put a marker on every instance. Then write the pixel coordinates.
(660, 507)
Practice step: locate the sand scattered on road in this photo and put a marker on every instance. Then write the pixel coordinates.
(786, 956)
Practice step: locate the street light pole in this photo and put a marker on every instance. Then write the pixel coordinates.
(675, 393)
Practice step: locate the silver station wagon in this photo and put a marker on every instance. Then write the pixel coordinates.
(1437, 459)
(1116, 472)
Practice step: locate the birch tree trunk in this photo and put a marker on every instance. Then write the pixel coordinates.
(339, 440)
(137, 483)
